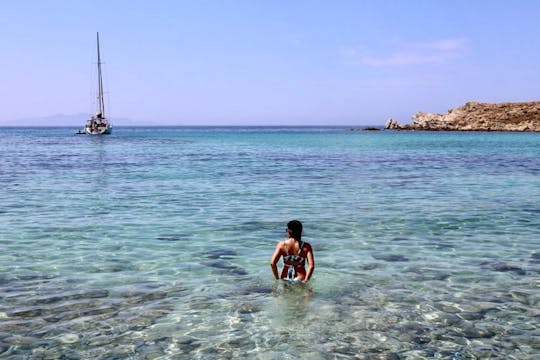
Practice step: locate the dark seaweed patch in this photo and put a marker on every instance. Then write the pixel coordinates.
(390, 257)
(503, 267)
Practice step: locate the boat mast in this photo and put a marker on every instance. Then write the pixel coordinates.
(101, 104)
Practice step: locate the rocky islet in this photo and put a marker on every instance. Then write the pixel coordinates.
(477, 116)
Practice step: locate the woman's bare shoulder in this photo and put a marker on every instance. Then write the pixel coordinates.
(280, 244)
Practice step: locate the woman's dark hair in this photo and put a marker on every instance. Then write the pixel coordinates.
(295, 227)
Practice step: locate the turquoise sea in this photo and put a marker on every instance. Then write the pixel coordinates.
(154, 243)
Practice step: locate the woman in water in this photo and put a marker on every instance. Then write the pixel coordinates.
(294, 252)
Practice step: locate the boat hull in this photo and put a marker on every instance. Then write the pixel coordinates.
(106, 130)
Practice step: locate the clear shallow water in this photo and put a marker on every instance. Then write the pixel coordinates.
(155, 243)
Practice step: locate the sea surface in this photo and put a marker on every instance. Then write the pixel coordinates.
(154, 243)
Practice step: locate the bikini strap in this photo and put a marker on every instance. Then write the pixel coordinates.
(299, 247)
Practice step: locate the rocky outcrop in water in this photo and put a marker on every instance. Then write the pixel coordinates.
(475, 116)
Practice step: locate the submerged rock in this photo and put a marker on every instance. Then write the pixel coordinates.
(71, 295)
(220, 254)
(535, 258)
(258, 290)
(371, 266)
(476, 116)
(503, 267)
(4, 347)
(225, 267)
(400, 238)
(172, 237)
(184, 339)
(69, 338)
(472, 332)
(390, 257)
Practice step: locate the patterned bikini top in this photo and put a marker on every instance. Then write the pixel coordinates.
(293, 257)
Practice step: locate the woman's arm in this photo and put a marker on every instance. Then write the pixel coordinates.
(311, 264)
(275, 259)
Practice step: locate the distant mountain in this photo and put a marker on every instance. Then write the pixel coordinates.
(75, 120)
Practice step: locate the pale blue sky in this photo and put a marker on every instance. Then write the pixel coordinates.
(267, 62)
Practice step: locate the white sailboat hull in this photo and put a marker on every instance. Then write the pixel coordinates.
(105, 130)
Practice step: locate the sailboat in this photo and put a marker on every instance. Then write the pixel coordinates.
(98, 123)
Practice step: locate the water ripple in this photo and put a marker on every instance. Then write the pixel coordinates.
(155, 243)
